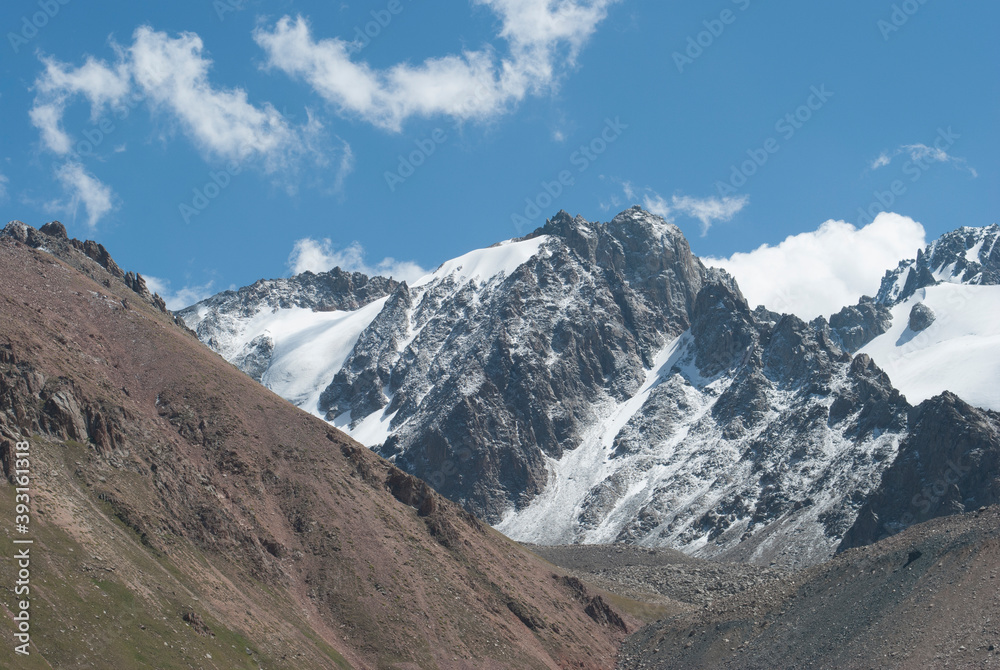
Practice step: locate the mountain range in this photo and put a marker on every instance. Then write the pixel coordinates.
(182, 515)
(597, 383)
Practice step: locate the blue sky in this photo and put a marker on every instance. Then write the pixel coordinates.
(205, 144)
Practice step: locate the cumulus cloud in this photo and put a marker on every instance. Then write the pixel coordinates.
(322, 256)
(543, 38)
(817, 273)
(171, 74)
(84, 189)
(923, 154)
(180, 298)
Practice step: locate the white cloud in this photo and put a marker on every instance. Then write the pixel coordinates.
(48, 119)
(655, 203)
(543, 36)
(181, 298)
(171, 74)
(706, 210)
(710, 210)
(817, 273)
(880, 162)
(101, 85)
(4, 181)
(922, 154)
(84, 189)
(321, 256)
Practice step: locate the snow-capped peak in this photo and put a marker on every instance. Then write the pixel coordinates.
(484, 264)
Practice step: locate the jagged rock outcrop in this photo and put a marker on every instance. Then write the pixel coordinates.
(857, 325)
(967, 256)
(52, 237)
(31, 404)
(948, 464)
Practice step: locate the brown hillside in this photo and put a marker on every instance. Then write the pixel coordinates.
(185, 517)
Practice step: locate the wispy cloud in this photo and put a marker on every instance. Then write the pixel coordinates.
(923, 154)
(4, 181)
(345, 168)
(710, 210)
(707, 211)
(880, 162)
(543, 38)
(85, 189)
(322, 256)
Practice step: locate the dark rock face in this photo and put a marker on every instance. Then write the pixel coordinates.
(31, 404)
(921, 317)
(857, 325)
(948, 464)
(256, 357)
(55, 229)
(358, 386)
(722, 328)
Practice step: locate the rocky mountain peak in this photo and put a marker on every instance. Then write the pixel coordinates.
(967, 256)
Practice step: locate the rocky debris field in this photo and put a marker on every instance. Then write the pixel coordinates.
(661, 576)
(925, 598)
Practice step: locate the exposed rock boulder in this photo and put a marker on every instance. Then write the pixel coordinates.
(921, 317)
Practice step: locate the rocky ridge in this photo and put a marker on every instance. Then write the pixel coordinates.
(82, 255)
